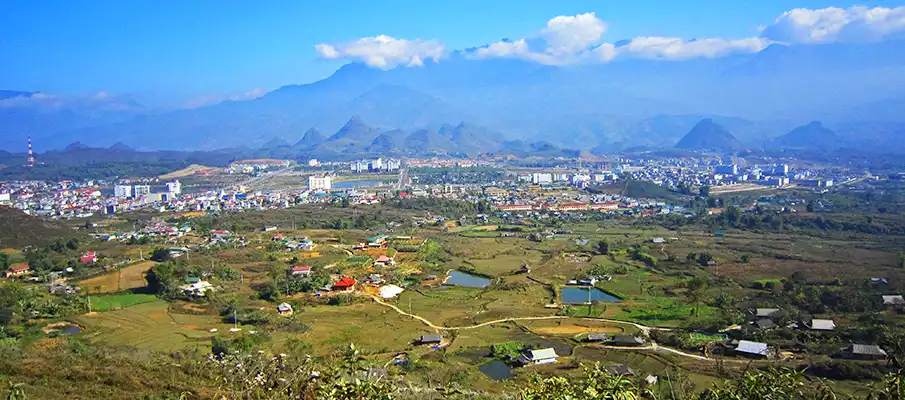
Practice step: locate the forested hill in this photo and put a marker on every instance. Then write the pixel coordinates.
(18, 229)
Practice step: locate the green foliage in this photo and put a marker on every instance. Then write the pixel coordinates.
(603, 247)
(160, 254)
(119, 301)
(596, 384)
(507, 351)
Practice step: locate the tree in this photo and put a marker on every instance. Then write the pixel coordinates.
(733, 215)
(695, 290)
(704, 191)
(160, 254)
(4, 261)
(705, 258)
(345, 202)
(603, 247)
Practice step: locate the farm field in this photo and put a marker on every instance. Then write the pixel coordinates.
(131, 277)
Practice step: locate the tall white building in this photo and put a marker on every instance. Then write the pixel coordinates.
(539, 178)
(174, 187)
(141, 190)
(123, 191)
(320, 182)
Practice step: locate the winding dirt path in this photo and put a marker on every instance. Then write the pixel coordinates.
(454, 328)
(653, 346)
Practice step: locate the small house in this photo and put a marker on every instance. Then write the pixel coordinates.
(270, 228)
(88, 257)
(765, 324)
(384, 261)
(658, 240)
(300, 271)
(627, 340)
(375, 279)
(820, 325)
(539, 356)
(17, 270)
(879, 281)
(346, 284)
(895, 300)
(596, 337)
(864, 352)
(751, 349)
(433, 338)
(197, 289)
(766, 312)
(284, 309)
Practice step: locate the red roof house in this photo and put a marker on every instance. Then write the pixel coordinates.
(89, 257)
(17, 270)
(345, 283)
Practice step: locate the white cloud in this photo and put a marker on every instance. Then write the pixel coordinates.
(577, 39)
(678, 49)
(855, 24)
(384, 51)
(566, 35)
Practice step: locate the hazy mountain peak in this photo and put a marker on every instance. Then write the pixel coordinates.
(709, 135)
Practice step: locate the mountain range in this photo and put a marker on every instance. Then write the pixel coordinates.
(602, 107)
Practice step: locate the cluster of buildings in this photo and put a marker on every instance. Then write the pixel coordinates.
(375, 165)
(253, 167)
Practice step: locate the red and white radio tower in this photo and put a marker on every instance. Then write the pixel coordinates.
(31, 155)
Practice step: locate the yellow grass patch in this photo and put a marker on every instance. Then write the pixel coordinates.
(187, 171)
(128, 278)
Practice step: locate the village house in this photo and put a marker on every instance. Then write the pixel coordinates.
(375, 279)
(432, 338)
(766, 312)
(300, 271)
(88, 257)
(596, 337)
(539, 356)
(346, 284)
(384, 261)
(17, 270)
(751, 349)
(864, 352)
(895, 300)
(284, 309)
(819, 324)
(195, 287)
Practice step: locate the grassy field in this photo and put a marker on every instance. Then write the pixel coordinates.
(151, 326)
(119, 301)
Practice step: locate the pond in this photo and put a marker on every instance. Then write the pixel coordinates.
(459, 278)
(496, 370)
(579, 295)
(359, 184)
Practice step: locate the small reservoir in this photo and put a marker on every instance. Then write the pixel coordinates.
(580, 295)
(459, 278)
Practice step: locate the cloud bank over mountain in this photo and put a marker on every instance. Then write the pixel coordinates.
(578, 39)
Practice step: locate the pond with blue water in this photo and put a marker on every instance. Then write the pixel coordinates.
(496, 370)
(579, 295)
(459, 278)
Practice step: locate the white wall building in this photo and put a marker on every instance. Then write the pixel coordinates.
(174, 187)
(123, 191)
(141, 190)
(320, 182)
(538, 178)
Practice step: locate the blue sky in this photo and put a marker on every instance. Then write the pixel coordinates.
(178, 50)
